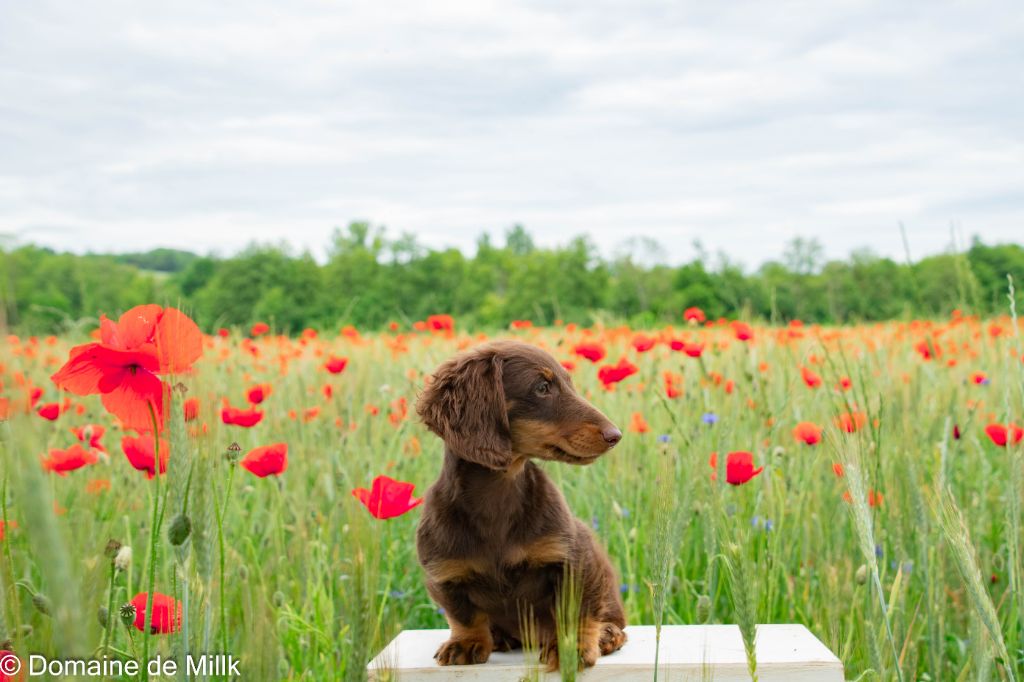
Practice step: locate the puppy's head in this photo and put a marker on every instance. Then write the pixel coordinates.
(506, 400)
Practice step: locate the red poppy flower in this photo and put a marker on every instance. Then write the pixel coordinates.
(838, 470)
(51, 411)
(613, 374)
(807, 432)
(739, 467)
(11, 668)
(268, 460)
(1001, 435)
(336, 365)
(3, 528)
(926, 350)
(190, 408)
(845, 384)
(139, 452)
(146, 341)
(694, 350)
(810, 378)
(441, 323)
(522, 324)
(75, 457)
(694, 315)
(742, 330)
(643, 343)
(166, 613)
(637, 424)
(673, 385)
(91, 434)
(387, 497)
(590, 350)
(259, 329)
(851, 422)
(239, 417)
(223, 333)
(258, 393)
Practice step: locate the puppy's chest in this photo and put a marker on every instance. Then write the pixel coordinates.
(505, 566)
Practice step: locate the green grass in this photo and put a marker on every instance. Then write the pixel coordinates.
(294, 577)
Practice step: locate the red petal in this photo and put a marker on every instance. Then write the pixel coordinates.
(130, 401)
(136, 327)
(81, 374)
(179, 341)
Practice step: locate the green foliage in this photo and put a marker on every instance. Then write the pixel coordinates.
(370, 279)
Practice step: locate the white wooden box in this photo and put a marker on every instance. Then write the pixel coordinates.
(785, 653)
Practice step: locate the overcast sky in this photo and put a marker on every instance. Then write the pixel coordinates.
(206, 125)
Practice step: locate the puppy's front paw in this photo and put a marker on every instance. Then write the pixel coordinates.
(465, 651)
(586, 656)
(612, 638)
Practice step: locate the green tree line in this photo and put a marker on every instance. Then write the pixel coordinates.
(370, 279)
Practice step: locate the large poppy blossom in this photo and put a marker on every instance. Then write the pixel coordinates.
(75, 457)
(387, 497)
(139, 452)
(124, 367)
(739, 467)
(268, 460)
(166, 613)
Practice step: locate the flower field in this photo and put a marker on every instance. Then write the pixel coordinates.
(166, 491)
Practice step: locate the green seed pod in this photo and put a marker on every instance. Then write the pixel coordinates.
(862, 574)
(703, 608)
(179, 530)
(112, 548)
(234, 452)
(42, 603)
(128, 614)
(103, 616)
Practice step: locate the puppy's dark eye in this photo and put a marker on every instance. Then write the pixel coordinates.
(544, 388)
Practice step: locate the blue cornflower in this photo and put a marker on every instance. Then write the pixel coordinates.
(709, 418)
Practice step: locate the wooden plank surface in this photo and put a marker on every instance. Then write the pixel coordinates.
(785, 653)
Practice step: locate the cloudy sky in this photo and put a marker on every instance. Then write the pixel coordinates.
(207, 125)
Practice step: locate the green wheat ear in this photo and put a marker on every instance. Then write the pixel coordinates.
(742, 582)
(958, 539)
(567, 623)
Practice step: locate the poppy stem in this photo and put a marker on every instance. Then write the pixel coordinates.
(110, 610)
(220, 542)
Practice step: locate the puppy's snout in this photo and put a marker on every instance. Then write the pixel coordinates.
(611, 434)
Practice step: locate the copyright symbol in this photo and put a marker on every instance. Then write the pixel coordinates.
(10, 665)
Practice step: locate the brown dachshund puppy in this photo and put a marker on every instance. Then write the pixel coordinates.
(496, 536)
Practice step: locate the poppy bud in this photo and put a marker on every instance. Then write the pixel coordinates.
(862, 574)
(42, 603)
(112, 548)
(179, 530)
(703, 608)
(103, 616)
(243, 572)
(128, 614)
(123, 559)
(278, 599)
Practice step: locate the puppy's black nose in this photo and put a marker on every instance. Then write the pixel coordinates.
(611, 435)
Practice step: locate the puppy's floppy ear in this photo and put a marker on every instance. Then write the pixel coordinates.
(465, 406)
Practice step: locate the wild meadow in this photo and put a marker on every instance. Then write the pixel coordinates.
(863, 480)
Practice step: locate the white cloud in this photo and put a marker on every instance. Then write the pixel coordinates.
(208, 125)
